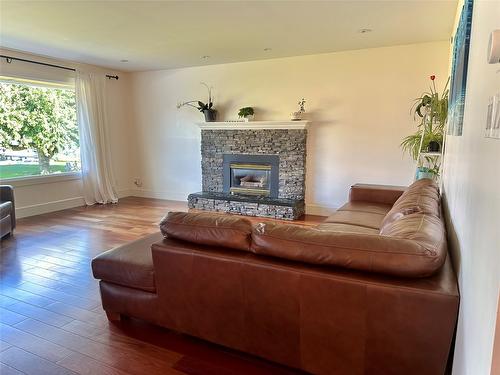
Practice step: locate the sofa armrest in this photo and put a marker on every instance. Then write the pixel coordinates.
(7, 195)
(386, 194)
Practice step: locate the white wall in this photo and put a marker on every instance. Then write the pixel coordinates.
(359, 103)
(33, 197)
(471, 180)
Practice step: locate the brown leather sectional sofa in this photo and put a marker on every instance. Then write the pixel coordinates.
(369, 291)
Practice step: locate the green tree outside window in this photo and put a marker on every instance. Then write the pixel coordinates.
(42, 119)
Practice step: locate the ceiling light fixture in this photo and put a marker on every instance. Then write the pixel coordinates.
(267, 49)
(364, 31)
(205, 57)
(124, 61)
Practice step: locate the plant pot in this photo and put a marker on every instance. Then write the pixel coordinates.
(424, 174)
(433, 146)
(248, 118)
(210, 115)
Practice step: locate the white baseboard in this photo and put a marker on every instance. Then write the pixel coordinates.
(167, 195)
(126, 193)
(43, 208)
(63, 204)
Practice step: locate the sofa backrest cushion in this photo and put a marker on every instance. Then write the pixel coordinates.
(397, 253)
(422, 196)
(208, 229)
(426, 229)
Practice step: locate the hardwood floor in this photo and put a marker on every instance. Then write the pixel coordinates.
(51, 320)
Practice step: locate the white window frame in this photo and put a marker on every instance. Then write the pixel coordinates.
(41, 179)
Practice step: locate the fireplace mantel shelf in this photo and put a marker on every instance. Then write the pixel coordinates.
(252, 125)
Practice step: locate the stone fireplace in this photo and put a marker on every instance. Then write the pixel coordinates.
(255, 168)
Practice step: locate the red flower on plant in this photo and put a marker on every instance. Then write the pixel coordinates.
(433, 77)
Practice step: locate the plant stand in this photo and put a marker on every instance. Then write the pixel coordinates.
(428, 160)
(428, 163)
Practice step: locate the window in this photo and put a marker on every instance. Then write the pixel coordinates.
(38, 128)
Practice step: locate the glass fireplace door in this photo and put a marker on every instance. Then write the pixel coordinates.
(251, 179)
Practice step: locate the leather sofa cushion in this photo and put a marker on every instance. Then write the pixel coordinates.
(421, 185)
(426, 230)
(363, 219)
(128, 265)
(422, 196)
(424, 192)
(385, 194)
(426, 199)
(334, 227)
(208, 229)
(401, 252)
(371, 207)
(5, 209)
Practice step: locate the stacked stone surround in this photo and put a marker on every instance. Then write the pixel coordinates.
(266, 208)
(288, 144)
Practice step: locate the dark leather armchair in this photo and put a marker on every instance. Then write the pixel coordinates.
(7, 210)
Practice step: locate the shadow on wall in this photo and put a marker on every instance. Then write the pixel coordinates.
(453, 242)
(321, 185)
(222, 110)
(228, 110)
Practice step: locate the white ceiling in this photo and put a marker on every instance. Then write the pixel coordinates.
(172, 34)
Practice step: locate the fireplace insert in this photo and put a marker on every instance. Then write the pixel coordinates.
(251, 174)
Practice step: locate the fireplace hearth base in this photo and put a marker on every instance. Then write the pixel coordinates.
(277, 208)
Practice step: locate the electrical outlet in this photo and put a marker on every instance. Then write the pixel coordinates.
(137, 182)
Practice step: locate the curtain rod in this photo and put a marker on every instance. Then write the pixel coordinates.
(10, 58)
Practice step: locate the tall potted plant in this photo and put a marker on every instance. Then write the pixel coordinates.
(207, 109)
(431, 109)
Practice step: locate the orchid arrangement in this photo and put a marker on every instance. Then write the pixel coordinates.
(200, 106)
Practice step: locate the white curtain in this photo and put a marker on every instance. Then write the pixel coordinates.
(97, 174)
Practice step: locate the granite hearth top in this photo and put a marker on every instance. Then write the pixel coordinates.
(248, 198)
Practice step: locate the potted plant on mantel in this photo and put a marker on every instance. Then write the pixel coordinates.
(205, 108)
(246, 113)
(432, 109)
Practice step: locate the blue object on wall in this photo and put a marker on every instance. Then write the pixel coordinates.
(459, 70)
